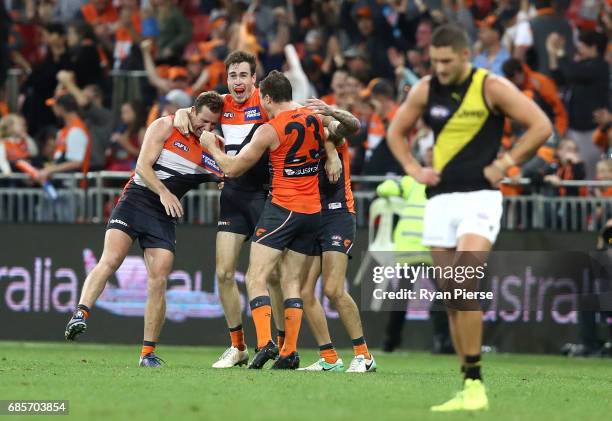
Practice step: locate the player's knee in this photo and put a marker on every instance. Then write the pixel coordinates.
(333, 292)
(225, 277)
(307, 295)
(157, 285)
(110, 263)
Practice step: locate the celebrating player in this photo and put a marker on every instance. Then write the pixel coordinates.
(294, 139)
(465, 107)
(242, 200)
(169, 165)
(334, 243)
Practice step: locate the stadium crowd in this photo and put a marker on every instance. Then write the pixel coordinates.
(362, 55)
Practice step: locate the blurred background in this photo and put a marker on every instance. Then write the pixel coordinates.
(112, 67)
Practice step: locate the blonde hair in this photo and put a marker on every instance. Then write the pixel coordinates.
(7, 123)
(605, 164)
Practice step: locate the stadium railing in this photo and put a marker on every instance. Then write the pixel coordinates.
(22, 201)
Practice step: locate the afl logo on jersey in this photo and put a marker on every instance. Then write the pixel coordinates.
(438, 111)
(252, 113)
(181, 146)
(228, 114)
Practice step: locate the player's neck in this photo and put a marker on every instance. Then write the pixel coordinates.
(281, 107)
(467, 69)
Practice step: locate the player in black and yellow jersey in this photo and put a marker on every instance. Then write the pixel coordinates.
(465, 107)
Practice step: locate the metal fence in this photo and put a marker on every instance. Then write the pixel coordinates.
(21, 201)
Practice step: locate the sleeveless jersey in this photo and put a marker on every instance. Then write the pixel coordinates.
(295, 163)
(238, 124)
(467, 134)
(338, 196)
(183, 164)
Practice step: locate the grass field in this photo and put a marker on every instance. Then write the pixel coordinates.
(103, 382)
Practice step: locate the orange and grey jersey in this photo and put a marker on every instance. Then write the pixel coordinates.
(238, 124)
(337, 197)
(182, 165)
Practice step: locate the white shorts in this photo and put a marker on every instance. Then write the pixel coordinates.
(448, 216)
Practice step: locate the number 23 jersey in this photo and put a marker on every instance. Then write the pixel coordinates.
(294, 164)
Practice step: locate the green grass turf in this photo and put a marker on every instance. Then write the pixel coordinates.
(104, 382)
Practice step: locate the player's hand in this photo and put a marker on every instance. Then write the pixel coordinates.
(317, 106)
(181, 122)
(171, 204)
(208, 140)
(427, 176)
(494, 174)
(333, 169)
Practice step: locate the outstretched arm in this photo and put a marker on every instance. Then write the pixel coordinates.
(345, 123)
(264, 138)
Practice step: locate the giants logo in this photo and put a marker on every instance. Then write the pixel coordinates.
(260, 232)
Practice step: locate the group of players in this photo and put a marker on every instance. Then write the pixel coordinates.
(300, 219)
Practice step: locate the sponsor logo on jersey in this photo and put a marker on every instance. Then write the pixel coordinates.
(310, 169)
(252, 113)
(181, 146)
(228, 114)
(210, 164)
(438, 111)
(335, 205)
(118, 221)
(471, 114)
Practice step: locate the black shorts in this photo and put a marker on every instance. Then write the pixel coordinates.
(150, 231)
(336, 233)
(239, 211)
(281, 229)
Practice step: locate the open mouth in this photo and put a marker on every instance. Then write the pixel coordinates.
(239, 90)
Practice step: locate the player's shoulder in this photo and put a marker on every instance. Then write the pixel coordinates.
(163, 125)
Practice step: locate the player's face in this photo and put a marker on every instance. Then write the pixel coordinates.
(204, 120)
(265, 102)
(448, 64)
(240, 81)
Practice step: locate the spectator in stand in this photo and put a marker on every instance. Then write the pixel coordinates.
(174, 29)
(175, 100)
(602, 138)
(493, 54)
(587, 77)
(541, 89)
(378, 158)
(567, 166)
(338, 86)
(604, 173)
(15, 142)
(97, 118)
(85, 60)
(545, 23)
(73, 142)
(41, 83)
(128, 35)
(127, 138)
(102, 16)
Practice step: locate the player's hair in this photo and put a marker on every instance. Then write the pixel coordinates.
(511, 67)
(450, 35)
(211, 100)
(238, 57)
(276, 86)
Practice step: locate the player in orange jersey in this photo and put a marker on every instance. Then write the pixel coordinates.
(294, 140)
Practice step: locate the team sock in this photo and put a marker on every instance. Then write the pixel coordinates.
(280, 339)
(360, 347)
(84, 309)
(328, 353)
(472, 367)
(237, 336)
(147, 348)
(294, 307)
(262, 315)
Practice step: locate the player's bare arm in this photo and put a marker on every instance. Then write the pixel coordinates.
(333, 165)
(405, 119)
(264, 138)
(504, 97)
(182, 122)
(152, 147)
